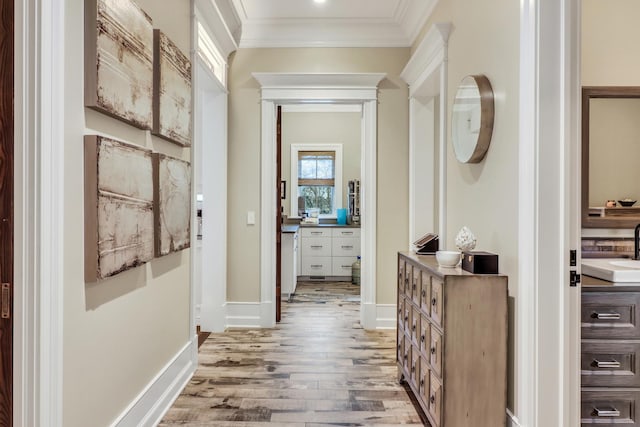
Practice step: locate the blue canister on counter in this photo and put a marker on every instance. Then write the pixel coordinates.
(342, 216)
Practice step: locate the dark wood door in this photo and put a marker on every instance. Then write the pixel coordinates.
(278, 214)
(6, 211)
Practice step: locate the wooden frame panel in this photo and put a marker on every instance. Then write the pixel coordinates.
(118, 207)
(172, 204)
(171, 91)
(119, 61)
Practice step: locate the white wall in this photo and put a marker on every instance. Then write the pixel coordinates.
(119, 333)
(609, 33)
(244, 155)
(322, 128)
(484, 197)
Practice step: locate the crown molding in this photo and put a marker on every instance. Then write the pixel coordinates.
(414, 15)
(431, 52)
(217, 25)
(323, 33)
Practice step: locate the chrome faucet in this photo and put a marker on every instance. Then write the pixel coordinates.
(636, 243)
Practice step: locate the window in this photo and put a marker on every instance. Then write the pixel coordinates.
(316, 173)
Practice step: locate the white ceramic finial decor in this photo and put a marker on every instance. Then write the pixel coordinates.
(465, 240)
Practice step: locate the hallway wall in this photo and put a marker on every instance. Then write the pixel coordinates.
(244, 155)
(485, 40)
(119, 333)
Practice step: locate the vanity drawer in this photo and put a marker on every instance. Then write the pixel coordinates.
(401, 266)
(609, 408)
(610, 315)
(408, 313)
(400, 347)
(610, 364)
(406, 358)
(415, 368)
(400, 312)
(408, 273)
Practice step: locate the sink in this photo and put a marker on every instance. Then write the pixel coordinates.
(612, 269)
(626, 263)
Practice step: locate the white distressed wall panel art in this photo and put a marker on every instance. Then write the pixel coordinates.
(118, 207)
(119, 60)
(171, 91)
(172, 207)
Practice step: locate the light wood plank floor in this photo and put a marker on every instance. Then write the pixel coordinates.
(318, 367)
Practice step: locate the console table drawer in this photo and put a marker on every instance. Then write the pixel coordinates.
(610, 315)
(610, 364)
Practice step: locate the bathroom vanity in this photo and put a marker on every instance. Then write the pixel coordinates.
(610, 362)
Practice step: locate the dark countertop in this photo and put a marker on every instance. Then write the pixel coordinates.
(330, 225)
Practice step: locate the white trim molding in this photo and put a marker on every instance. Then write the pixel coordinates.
(39, 212)
(386, 316)
(148, 408)
(244, 314)
(426, 75)
(512, 421)
(301, 88)
(547, 308)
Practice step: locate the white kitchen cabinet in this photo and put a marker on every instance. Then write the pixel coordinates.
(328, 252)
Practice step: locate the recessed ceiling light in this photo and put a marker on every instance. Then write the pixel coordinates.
(319, 1)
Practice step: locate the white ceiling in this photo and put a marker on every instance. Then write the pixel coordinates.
(336, 23)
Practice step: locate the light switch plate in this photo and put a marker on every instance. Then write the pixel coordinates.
(251, 218)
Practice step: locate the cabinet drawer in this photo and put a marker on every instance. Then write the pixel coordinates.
(435, 352)
(345, 246)
(437, 305)
(400, 311)
(316, 246)
(416, 287)
(425, 336)
(408, 313)
(315, 232)
(610, 315)
(425, 293)
(345, 232)
(341, 265)
(423, 386)
(415, 327)
(401, 267)
(610, 364)
(408, 273)
(435, 399)
(316, 266)
(609, 408)
(400, 343)
(415, 368)
(406, 357)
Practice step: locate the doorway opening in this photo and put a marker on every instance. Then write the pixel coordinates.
(316, 88)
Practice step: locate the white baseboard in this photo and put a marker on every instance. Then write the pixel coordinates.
(368, 316)
(244, 315)
(386, 316)
(512, 421)
(158, 396)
